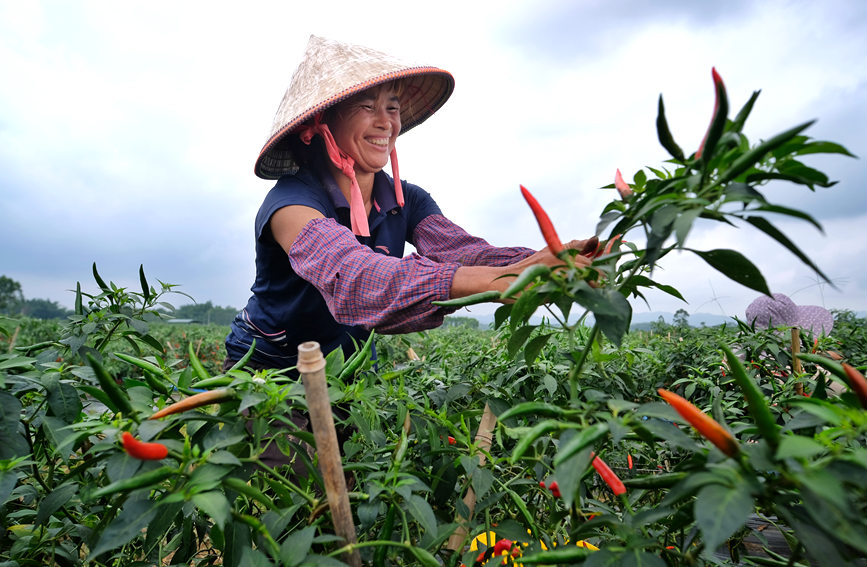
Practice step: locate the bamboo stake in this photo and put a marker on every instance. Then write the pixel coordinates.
(311, 365)
(796, 362)
(483, 441)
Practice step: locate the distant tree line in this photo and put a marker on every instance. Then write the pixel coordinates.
(13, 303)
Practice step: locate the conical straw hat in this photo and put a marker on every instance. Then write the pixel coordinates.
(330, 72)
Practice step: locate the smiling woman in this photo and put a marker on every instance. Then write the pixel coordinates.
(330, 235)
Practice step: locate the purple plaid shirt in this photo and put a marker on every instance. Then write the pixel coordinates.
(392, 295)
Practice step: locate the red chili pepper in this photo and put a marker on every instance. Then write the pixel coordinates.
(704, 424)
(141, 450)
(611, 243)
(858, 383)
(195, 401)
(622, 186)
(718, 119)
(629, 460)
(611, 479)
(545, 225)
(451, 440)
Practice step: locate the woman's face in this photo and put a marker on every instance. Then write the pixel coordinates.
(366, 126)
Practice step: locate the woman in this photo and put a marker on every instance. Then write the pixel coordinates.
(330, 235)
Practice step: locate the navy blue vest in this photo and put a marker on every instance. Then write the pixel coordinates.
(286, 310)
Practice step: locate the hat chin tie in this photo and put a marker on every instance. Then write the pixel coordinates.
(345, 163)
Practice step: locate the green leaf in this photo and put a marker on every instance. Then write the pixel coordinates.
(14, 444)
(750, 158)
(736, 267)
(296, 546)
(137, 513)
(822, 147)
(215, 505)
(518, 338)
(799, 447)
(54, 500)
(422, 512)
(790, 212)
(720, 511)
(612, 312)
(580, 441)
(534, 347)
(683, 224)
(63, 400)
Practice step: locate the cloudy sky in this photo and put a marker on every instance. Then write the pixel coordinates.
(128, 131)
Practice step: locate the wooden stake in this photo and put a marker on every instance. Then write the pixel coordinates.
(483, 441)
(796, 362)
(311, 365)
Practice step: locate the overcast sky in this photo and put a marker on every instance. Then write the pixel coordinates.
(128, 131)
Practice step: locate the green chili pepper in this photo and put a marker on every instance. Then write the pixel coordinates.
(357, 359)
(562, 555)
(756, 401)
(663, 480)
(542, 409)
(196, 364)
(215, 382)
(152, 372)
(385, 535)
(246, 358)
(250, 492)
(99, 281)
(138, 481)
(115, 393)
(482, 297)
(664, 134)
(526, 277)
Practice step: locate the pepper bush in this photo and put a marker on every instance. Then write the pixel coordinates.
(586, 464)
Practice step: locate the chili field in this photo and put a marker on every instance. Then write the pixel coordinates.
(567, 442)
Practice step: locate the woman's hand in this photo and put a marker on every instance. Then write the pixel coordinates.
(474, 279)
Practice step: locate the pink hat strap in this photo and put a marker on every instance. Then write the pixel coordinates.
(398, 189)
(345, 163)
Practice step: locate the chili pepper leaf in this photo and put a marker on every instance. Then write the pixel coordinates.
(610, 308)
(765, 226)
(54, 500)
(422, 512)
(639, 280)
(534, 347)
(822, 147)
(518, 338)
(62, 398)
(214, 504)
(720, 511)
(790, 212)
(137, 513)
(748, 159)
(297, 546)
(736, 267)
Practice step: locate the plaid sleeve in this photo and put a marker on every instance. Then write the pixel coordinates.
(441, 240)
(363, 287)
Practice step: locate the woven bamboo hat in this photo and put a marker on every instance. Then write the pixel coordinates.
(330, 72)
